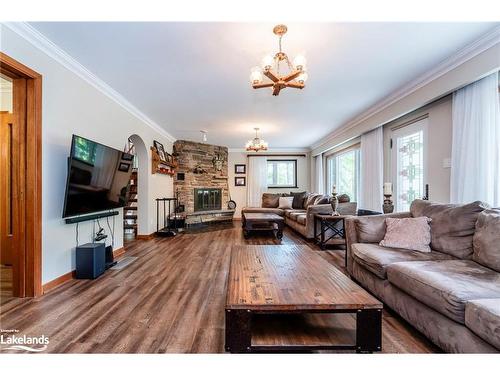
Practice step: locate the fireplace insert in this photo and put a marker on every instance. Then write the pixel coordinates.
(207, 199)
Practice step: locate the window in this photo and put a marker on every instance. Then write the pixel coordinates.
(282, 173)
(343, 172)
(408, 164)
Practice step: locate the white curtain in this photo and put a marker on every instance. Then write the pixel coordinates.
(372, 170)
(257, 180)
(475, 157)
(319, 176)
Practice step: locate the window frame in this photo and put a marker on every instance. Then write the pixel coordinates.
(356, 148)
(295, 177)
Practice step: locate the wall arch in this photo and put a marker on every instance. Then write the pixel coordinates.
(141, 153)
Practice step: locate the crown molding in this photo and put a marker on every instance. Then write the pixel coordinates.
(275, 150)
(480, 45)
(44, 44)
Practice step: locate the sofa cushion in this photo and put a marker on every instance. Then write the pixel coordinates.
(264, 210)
(411, 233)
(483, 318)
(486, 240)
(376, 258)
(295, 214)
(445, 285)
(298, 199)
(301, 219)
(288, 213)
(452, 226)
(270, 200)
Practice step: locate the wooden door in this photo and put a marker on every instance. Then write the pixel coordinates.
(12, 187)
(6, 222)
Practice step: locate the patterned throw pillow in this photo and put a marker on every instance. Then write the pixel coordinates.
(408, 233)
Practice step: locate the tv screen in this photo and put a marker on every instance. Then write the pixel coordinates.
(98, 178)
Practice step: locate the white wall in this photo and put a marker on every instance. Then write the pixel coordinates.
(439, 146)
(239, 193)
(71, 105)
(5, 95)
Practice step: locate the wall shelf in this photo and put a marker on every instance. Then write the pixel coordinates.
(159, 166)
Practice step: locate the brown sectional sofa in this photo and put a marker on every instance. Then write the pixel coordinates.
(452, 294)
(301, 219)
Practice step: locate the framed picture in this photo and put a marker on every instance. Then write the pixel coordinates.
(161, 150)
(240, 168)
(124, 167)
(127, 157)
(240, 181)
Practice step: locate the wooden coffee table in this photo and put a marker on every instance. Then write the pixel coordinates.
(262, 221)
(293, 279)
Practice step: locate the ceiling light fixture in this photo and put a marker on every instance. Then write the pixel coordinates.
(256, 144)
(295, 78)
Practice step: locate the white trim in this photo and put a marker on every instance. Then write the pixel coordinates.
(41, 42)
(468, 52)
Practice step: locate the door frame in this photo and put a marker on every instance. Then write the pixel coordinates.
(30, 220)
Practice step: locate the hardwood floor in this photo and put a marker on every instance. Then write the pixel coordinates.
(170, 299)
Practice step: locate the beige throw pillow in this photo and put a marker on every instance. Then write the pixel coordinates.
(408, 233)
(285, 203)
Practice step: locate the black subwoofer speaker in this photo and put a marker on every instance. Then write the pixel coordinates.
(90, 260)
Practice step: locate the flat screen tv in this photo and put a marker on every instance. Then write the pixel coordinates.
(98, 178)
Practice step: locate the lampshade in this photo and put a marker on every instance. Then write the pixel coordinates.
(255, 75)
(267, 62)
(302, 77)
(299, 62)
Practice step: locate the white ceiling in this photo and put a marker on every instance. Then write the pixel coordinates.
(189, 77)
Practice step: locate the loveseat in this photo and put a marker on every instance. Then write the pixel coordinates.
(451, 294)
(301, 216)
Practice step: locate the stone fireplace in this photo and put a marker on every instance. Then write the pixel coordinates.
(202, 177)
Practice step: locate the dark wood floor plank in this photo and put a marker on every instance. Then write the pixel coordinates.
(170, 299)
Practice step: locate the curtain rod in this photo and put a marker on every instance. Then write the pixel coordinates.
(275, 155)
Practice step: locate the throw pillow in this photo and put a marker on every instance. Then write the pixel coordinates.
(343, 198)
(322, 199)
(298, 199)
(452, 226)
(486, 239)
(310, 200)
(409, 233)
(270, 200)
(285, 203)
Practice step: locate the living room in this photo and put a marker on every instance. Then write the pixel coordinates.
(250, 187)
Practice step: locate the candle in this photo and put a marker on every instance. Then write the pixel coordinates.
(387, 188)
(334, 189)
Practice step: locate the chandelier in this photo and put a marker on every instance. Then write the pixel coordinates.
(256, 144)
(296, 74)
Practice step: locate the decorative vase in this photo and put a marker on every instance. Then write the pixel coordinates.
(335, 204)
(388, 206)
